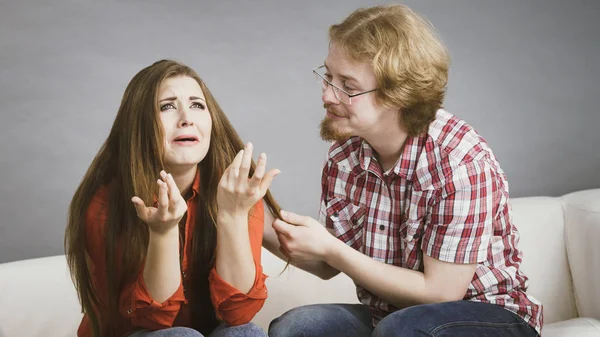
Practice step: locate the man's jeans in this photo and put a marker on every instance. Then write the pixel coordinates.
(460, 318)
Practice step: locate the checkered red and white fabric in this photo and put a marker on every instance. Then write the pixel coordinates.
(446, 197)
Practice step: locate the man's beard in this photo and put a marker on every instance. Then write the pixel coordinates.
(329, 132)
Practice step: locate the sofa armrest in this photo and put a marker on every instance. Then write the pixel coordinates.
(582, 237)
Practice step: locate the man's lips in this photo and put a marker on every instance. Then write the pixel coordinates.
(333, 115)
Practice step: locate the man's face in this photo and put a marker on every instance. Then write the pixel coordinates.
(361, 118)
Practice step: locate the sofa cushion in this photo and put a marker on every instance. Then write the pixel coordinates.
(577, 327)
(582, 213)
(541, 225)
(38, 299)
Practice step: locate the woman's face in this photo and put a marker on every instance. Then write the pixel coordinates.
(186, 122)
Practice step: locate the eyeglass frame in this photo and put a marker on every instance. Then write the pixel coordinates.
(350, 96)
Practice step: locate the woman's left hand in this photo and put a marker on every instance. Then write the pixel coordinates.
(238, 192)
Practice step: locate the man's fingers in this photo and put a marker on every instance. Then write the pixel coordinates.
(284, 242)
(281, 227)
(284, 252)
(294, 218)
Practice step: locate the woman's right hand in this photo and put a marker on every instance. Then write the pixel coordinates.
(238, 192)
(170, 210)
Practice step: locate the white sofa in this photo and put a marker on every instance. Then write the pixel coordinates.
(560, 238)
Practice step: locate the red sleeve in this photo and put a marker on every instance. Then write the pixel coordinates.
(135, 303)
(231, 305)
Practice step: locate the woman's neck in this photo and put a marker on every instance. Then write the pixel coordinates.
(184, 177)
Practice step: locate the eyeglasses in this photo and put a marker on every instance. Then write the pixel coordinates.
(339, 93)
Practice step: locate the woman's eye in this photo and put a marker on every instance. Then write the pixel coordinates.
(347, 87)
(198, 105)
(166, 106)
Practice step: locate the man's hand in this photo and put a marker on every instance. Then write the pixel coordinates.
(302, 238)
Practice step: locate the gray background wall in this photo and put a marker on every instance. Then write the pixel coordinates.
(525, 75)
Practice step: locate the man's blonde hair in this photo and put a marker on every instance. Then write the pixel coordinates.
(409, 61)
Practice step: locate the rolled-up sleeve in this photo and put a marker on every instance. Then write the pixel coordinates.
(135, 303)
(144, 312)
(231, 305)
(461, 223)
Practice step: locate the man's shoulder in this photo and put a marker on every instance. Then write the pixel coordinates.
(451, 146)
(455, 139)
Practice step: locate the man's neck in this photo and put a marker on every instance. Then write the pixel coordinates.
(388, 145)
(184, 177)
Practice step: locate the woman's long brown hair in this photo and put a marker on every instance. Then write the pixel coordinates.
(129, 163)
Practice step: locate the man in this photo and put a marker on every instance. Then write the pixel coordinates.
(414, 200)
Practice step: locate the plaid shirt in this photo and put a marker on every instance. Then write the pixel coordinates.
(446, 196)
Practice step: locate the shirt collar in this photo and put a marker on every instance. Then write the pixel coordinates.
(406, 163)
(196, 185)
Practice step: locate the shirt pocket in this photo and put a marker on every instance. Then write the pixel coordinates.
(345, 218)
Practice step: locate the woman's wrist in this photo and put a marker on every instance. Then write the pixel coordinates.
(164, 234)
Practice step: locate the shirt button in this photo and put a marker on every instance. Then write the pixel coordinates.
(381, 227)
(129, 311)
(184, 275)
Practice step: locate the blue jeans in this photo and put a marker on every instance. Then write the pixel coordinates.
(460, 318)
(223, 330)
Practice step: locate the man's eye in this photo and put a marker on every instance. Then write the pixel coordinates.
(166, 106)
(198, 105)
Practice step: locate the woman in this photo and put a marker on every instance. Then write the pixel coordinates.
(164, 232)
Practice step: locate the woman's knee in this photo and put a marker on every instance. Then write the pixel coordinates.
(246, 330)
(253, 330)
(170, 332)
(311, 320)
(182, 332)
